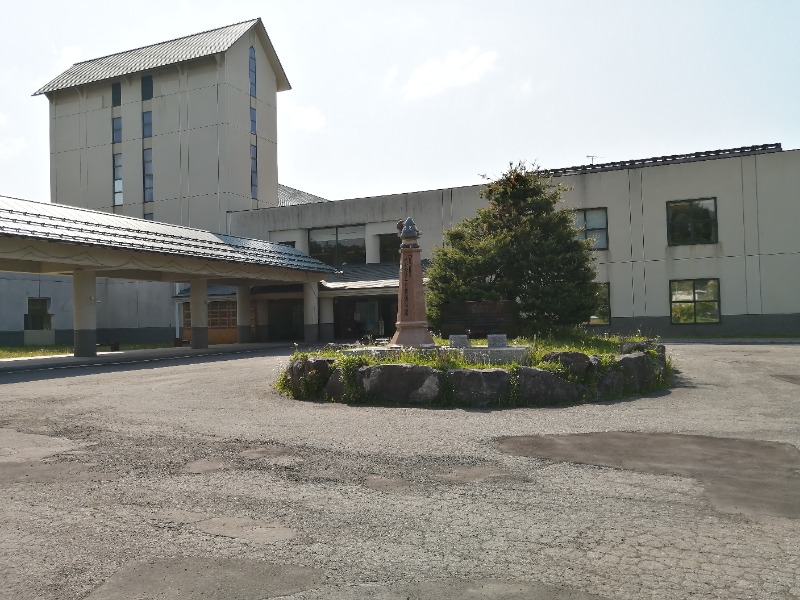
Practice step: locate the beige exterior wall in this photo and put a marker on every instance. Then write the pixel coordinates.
(757, 259)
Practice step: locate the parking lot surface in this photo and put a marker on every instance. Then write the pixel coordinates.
(194, 478)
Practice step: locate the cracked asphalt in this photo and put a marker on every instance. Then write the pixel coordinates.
(195, 479)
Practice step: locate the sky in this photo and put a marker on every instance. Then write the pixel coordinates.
(392, 97)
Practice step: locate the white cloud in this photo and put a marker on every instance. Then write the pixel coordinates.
(12, 146)
(456, 70)
(390, 77)
(300, 118)
(3, 119)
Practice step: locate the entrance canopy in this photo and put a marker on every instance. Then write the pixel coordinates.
(53, 239)
(37, 237)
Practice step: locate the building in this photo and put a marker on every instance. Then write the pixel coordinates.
(184, 132)
(695, 244)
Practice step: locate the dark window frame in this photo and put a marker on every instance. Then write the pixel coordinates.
(340, 252)
(116, 159)
(584, 232)
(116, 94)
(694, 302)
(116, 130)
(147, 175)
(252, 71)
(147, 124)
(253, 120)
(254, 171)
(694, 223)
(389, 253)
(147, 87)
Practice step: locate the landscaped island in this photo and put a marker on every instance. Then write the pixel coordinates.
(554, 375)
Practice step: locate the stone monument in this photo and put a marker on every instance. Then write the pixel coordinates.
(412, 322)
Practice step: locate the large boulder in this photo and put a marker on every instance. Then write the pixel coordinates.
(637, 371)
(538, 387)
(401, 383)
(576, 363)
(479, 387)
(334, 389)
(307, 376)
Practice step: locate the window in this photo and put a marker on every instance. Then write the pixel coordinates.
(147, 174)
(117, 179)
(148, 216)
(389, 244)
(252, 120)
(602, 313)
(253, 171)
(592, 224)
(116, 94)
(694, 301)
(338, 245)
(38, 317)
(147, 87)
(147, 124)
(692, 222)
(222, 315)
(287, 244)
(116, 130)
(252, 71)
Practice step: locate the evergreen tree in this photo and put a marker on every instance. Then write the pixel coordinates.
(522, 247)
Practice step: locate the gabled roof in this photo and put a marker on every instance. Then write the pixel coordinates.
(163, 54)
(289, 196)
(59, 223)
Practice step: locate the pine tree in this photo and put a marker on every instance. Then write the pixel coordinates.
(522, 247)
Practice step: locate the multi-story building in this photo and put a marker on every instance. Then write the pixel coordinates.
(184, 132)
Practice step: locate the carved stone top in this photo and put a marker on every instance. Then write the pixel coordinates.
(408, 232)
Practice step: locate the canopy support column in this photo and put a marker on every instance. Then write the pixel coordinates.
(243, 310)
(84, 312)
(198, 299)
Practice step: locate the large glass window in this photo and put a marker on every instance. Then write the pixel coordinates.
(147, 87)
(602, 313)
(389, 247)
(116, 94)
(147, 174)
(253, 171)
(147, 124)
(338, 245)
(694, 301)
(252, 120)
(117, 179)
(692, 222)
(252, 71)
(592, 224)
(116, 130)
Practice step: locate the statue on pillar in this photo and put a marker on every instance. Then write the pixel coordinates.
(412, 321)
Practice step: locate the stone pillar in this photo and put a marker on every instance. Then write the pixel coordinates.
(311, 312)
(198, 299)
(326, 319)
(243, 335)
(412, 322)
(84, 313)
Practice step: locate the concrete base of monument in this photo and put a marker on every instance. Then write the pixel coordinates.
(412, 335)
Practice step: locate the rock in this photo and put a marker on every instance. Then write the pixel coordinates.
(610, 384)
(307, 376)
(479, 387)
(538, 387)
(637, 372)
(458, 341)
(400, 383)
(576, 363)
(334, 389)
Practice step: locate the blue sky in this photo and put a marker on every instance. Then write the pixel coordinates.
(402, 96)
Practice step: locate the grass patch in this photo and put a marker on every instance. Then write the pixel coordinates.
(31, 351)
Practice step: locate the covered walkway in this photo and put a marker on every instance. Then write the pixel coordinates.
(45, 238)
